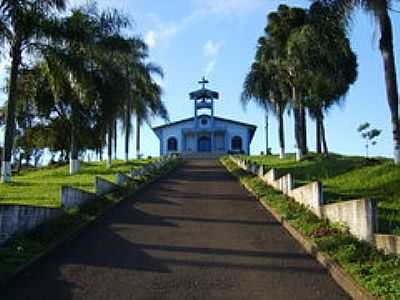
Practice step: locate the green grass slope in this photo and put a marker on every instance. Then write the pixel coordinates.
(41, 187)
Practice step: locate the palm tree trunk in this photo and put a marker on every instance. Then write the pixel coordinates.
(318, 135)
(74, 161)
(281, 131)
(303, 120)
(323, 136)
(127, 130)
(10, 118)
(115, 139)
(138, 155)
(109, 145)
(386, 47)
(297, 124)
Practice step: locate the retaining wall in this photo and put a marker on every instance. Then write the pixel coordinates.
(389, 243)
(310, 195)
(17, 219)
(72, 197)
(103, 186)
(122, 179)
(358, 215)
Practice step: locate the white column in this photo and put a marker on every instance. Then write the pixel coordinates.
(6, 171)
(74, 166)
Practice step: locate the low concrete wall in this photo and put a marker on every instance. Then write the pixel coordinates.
(270, 177)
(103, 186)
(389, 243)
(310, 195)
(122, 179)
(72, 197)
(286, 184)
(358, 215)
(136, 172)
(254, 168)
(260, 172)
(16, 219)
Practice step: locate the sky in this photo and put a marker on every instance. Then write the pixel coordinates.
(217, 39)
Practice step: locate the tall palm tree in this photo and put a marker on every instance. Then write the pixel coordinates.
(322, 53)
(278, 30)
(380, 9)
(144, 98)
(263, 85)
(23, 27)
(148, 101)
(85, 75)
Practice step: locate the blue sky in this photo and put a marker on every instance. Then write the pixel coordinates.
(217, 38)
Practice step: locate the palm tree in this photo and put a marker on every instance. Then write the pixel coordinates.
(144, 97)
(322, 53)
(85, 74)
(23, 27)
(148, 101)
(380, 9)
(278, 30)
(264, 85)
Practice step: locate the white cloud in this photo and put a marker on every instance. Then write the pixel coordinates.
(150, 39)
(210, 67)
(162, 34)
(230, 7)
(211, 48)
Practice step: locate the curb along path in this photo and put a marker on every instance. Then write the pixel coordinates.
(195, 234)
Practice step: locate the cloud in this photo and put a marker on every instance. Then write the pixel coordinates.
(162, 33)
(150, 39)
(118, 4)
(229, 7)
(211, 49)
(210, 67)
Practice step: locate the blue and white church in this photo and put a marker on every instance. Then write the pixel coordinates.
(205, 133)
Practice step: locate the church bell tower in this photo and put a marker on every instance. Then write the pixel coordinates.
(203, 99)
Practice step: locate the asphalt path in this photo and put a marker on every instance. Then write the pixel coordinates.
(196, 234)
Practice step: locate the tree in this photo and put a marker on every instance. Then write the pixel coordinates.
(321, 50)
(85, 75)
(147, 100)
(24, 26)
(264, 85)
(369, 136)
(280, 25)
(380, 9)
(143, 97)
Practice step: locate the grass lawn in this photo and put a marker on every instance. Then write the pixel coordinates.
(42, 187)
(348, 177)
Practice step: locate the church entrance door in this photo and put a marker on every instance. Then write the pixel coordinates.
(204, 143)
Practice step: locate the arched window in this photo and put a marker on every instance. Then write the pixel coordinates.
(237, 143)
(172, 144)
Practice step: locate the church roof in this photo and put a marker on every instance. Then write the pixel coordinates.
(250, 126)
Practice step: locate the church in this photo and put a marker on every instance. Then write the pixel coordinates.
(205, 133)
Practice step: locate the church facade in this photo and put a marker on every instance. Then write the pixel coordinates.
(205, 133)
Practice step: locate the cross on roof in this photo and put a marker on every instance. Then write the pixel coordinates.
(203, 81)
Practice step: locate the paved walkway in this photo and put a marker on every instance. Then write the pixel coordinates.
(194, 235)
